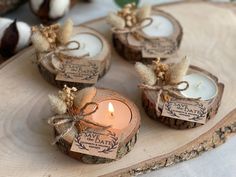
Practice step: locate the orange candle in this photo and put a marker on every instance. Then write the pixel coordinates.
(112, 112)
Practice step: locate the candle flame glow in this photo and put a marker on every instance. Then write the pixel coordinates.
(110, 108)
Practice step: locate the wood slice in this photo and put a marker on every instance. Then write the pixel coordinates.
(149, 104)
(132, 51)
(49, 73)
(26, 137)
(129, 134)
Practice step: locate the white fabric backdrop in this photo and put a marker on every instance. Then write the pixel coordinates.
(220, 162)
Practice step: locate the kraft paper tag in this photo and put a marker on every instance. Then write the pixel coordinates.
(80, 71)
(192, 111)
(161, 47)
(100, 143)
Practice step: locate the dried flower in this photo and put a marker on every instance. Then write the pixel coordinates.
(84, 96)
(67, 95)
(40, 42)
(49, 33)
(146, 73)
(57, 105)
(65, 32)
(161, 71)
(144, 12)
(115, 20)
(128, 13)
(179, 70)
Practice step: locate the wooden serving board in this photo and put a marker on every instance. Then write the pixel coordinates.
(209, 39)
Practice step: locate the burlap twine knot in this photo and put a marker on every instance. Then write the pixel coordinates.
(134, 28)
(171, 89)
(73, 119)
(60, 49)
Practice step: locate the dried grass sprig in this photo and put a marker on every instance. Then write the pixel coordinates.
(65, 32)
(58, 106)
(146, 73)
(115, 21)
(144, 12)
(179, 70)
(84, 96)
(40, 42)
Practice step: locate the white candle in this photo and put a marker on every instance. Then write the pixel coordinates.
(112, 112)
(160, 27)
(199, 86)
(89, 43)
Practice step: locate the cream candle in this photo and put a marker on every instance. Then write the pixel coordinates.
(89, 44)
(160, 27)
(112, 112)
(199, 86)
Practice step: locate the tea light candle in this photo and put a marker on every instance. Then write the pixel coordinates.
(199, 86)
(89, 44)
(160, 27)
(112, 112)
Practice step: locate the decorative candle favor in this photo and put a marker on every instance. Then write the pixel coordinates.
(94, 125)
(200, 86)
(117, 114)
(76, 56)
(178, 100)
(140, 34)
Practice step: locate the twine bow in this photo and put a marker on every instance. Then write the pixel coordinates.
(135, 28)
(60, 49)
(73, 119)
(171, 89)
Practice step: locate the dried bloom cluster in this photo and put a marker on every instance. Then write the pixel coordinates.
(67, 94)
(45, 38)
(162, 74)
(128, 13)
(161, 70)
(129, 16)
(71, 99)
(48, 32)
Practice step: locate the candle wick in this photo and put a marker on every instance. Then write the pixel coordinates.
(198, 85)
(112, 114)
(158, 24)
(82, 45)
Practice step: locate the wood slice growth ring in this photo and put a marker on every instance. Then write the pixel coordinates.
(49, 73)
(131, 49)
(149, 104)
(128, 137)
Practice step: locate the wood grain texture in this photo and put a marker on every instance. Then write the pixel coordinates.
(25, 135)
(49, 73)
(149, 103)
(133, 53)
